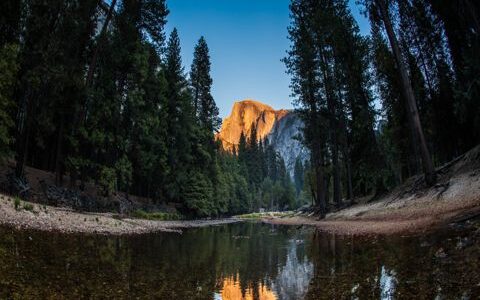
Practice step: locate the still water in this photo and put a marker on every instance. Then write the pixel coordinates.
(240, 261)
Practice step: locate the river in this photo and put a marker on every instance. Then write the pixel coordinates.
(240, 261)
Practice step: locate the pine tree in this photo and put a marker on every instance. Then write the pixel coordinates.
(298, 176)
(180, 115)
(382, 11)
(9, 67)
(201, 82)
(302, 63)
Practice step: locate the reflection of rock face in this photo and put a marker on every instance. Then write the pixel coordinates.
(231, 290)
(294, 278)
(279, 126)
(387, 284)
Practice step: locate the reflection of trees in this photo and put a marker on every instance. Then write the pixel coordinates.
(199, 262)
(342, 269)
(41, 266)
(166, 266)
(347, 267)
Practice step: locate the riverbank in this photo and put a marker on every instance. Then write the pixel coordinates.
(411, 207)
(48, 218)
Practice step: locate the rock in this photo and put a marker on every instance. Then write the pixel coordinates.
(425, 244)
(280, 127)
(441, 253)
(17, 186)
(285, 140)
(464, 243)
(243, 115)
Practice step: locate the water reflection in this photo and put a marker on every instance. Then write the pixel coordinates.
(232, 290)
(387, 284)
(239, 261)
(293, 279)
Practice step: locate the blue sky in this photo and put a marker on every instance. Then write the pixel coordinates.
(247, 40)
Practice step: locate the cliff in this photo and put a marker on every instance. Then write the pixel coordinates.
(280, 127)
(244, 114)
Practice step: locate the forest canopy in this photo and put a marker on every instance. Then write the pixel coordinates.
(97, 93)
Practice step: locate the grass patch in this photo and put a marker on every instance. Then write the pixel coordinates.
(17, 202)
(157, 216)
(27, 206)
(279, 214)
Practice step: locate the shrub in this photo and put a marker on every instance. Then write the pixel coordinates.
(28, 206)
(107, 180)
(16, 202)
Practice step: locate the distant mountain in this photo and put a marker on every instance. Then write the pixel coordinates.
(285, 137)
(280, 127)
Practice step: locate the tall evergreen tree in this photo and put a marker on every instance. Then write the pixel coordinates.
(201, 82)
(380, 10)
(298, 176)
(180, 119)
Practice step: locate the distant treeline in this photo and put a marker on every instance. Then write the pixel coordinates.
(380, 108)
(95, 90)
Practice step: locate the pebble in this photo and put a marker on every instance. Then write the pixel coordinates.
(440, 253)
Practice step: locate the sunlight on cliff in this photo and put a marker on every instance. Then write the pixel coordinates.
(245, 114)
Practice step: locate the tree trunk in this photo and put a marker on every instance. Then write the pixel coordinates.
(93, 62)
(349, 180)
(320, 179)
(327, 78)
(337, 189)
(59, 156)
(23, 134)
(326, 183)
(317, 154)
(428, 168)
(22, 152)
(101, 41)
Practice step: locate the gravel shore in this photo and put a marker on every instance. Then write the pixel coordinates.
(400, 212)
(49, 218)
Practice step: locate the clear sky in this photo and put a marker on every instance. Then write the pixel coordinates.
(247, 40)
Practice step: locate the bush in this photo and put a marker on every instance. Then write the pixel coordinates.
(16, 203)
(106, 180)
(28, 206)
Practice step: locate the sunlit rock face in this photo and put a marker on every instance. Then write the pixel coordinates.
(280, 127)
(245, 114)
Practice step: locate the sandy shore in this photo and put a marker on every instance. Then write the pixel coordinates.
(401, 212)
(48, 218)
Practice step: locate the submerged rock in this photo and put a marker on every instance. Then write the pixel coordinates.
(441, 253)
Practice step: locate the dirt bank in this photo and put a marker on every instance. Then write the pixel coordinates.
(411, 207)
(49, 218)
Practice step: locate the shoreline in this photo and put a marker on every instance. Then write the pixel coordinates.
(406, 210)
(63, 220)
(400, 212)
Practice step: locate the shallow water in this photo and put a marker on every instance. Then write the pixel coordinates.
(240, 261)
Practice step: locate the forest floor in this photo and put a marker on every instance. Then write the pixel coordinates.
(411, 207)
(36, 216)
